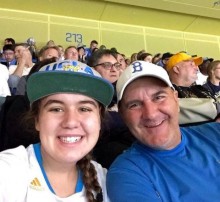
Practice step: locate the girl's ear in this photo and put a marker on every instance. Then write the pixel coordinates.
(37, 124)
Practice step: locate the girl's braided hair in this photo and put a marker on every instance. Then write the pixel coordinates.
(90, 179)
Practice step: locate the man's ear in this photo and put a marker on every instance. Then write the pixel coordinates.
(176, 69)
(120, 109)
(176, 95)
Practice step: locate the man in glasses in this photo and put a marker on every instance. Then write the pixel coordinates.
(105, 62)
(115, 137)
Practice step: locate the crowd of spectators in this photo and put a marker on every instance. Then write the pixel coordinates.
(193, 77)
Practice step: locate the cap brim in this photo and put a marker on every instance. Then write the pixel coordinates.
(198, 60)
(139, 76)
(42, 84)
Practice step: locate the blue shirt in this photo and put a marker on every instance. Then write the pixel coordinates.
(190, 172)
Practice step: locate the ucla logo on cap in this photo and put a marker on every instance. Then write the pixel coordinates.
(137, 67)
(68, 65)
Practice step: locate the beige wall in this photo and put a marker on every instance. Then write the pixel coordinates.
(128, 39)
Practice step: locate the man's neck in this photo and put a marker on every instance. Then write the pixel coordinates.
(180, 82)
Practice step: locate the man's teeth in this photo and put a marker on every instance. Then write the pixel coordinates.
(70, 139)
(153, 124)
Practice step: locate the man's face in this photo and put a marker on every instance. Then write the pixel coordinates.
(19, 51)
(72, 54)
(188, 71)
(93, 46)
(9, 55)
(121, 60)
(111, 74)
(150, 109)
(50, 53)
(7, 42)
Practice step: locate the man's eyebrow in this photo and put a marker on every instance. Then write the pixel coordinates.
(130, 102)
(161, 91)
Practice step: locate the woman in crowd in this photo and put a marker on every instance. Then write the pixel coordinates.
(66, 112)
(213, 80)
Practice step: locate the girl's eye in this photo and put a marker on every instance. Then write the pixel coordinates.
(85, 109)
(57, 109)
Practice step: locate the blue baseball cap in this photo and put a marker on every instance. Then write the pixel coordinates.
(69, 76)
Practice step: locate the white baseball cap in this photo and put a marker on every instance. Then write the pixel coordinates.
(139, 69)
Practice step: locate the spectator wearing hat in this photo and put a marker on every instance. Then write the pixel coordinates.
(202, 73)
(66, 113)
(167, 163)
(163, 61)
(213, 80)
(182, 69)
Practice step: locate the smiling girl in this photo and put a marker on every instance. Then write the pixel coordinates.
(66, 112)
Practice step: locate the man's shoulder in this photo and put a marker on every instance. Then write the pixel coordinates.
(133, 156)
(210, 130)
(196, 91)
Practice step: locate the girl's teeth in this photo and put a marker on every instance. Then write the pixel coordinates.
(70, 139)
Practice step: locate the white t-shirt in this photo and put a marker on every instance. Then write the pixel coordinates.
(4, 75)
(201, 78)
(21, 179)
(26, 70)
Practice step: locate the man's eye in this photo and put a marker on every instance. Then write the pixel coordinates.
(106, 65)
(132, 106)
(160, 97)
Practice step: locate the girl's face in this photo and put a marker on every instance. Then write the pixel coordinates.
(69, 126)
